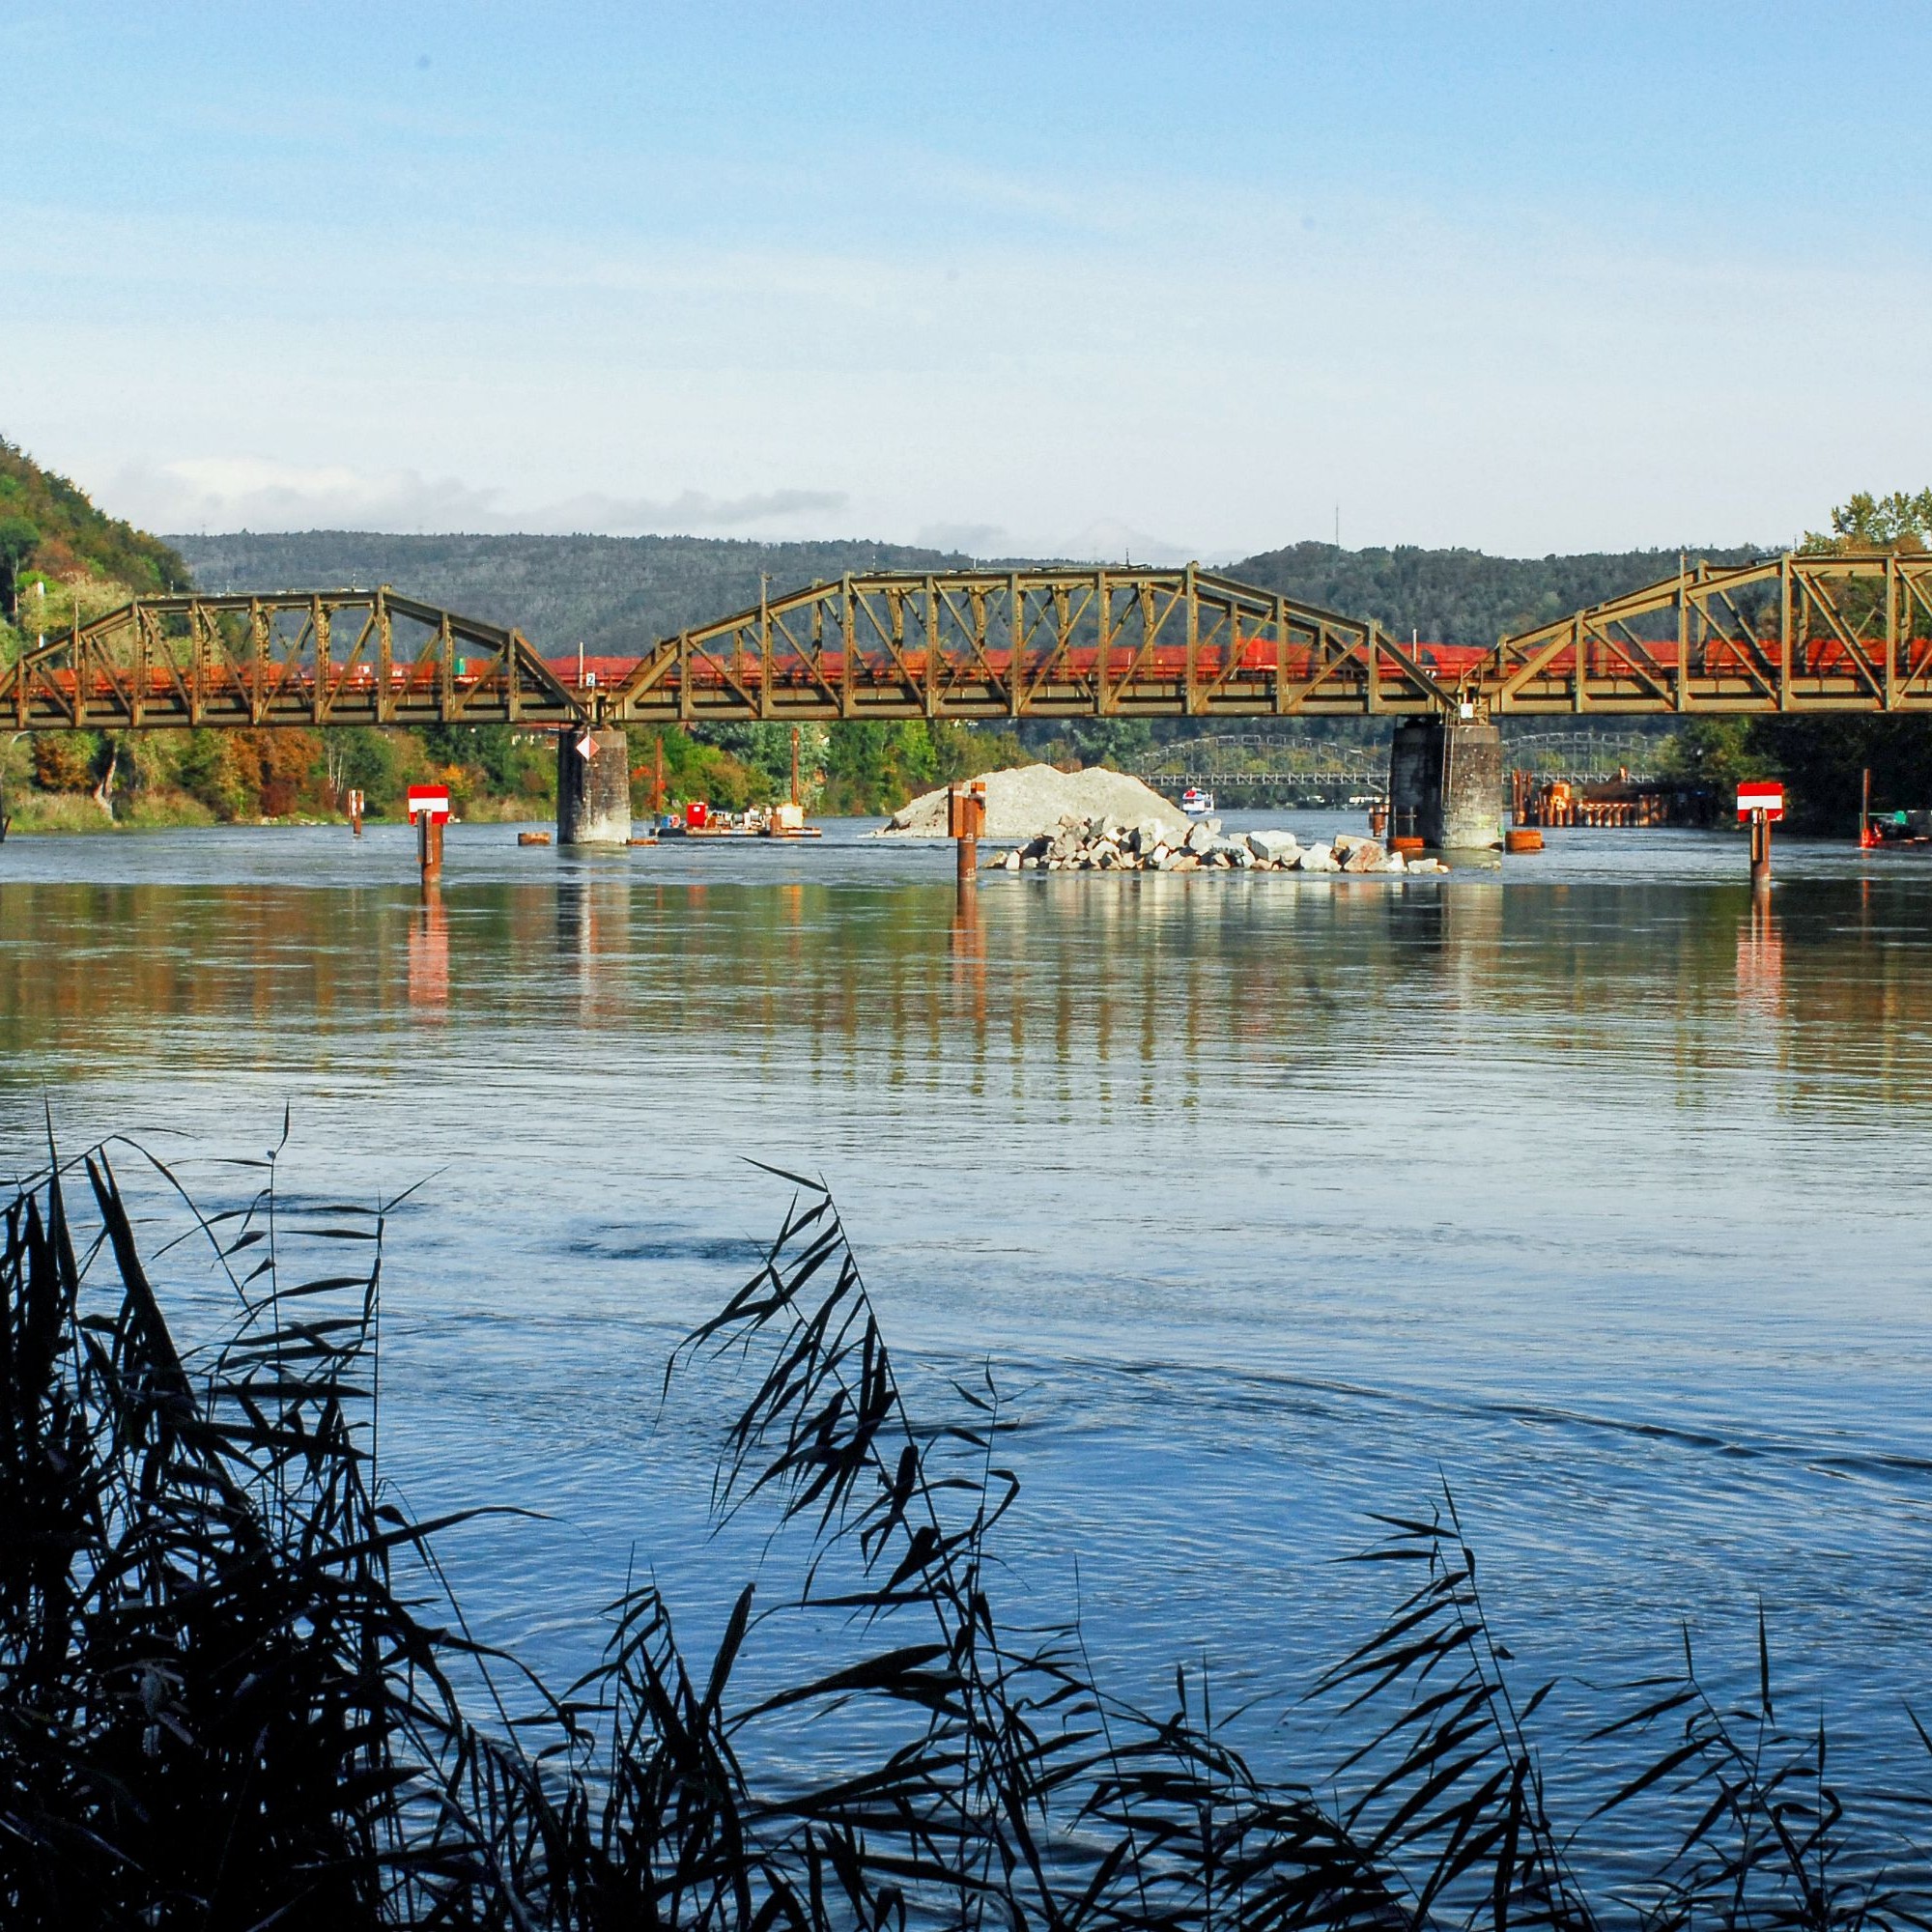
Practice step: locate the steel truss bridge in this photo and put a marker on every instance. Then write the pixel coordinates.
(1795, 632)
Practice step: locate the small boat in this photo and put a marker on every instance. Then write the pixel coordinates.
(1196, 803)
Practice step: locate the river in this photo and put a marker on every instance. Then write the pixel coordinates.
(1575, 1185)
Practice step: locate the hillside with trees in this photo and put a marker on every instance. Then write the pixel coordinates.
(53, 539)
(614, 595)
(1461, 596)
(617, 594)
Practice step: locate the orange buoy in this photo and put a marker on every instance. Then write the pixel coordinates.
(1522, 838)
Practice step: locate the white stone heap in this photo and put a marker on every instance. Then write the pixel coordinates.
(1025, 801)
(1103, 844)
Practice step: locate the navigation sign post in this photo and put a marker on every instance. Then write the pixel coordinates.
(966, 822)
(1761, 802)
(429, 806)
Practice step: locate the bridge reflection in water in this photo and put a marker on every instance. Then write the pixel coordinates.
(1160, 990)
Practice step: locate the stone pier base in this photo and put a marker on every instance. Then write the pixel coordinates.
(1446, 783)
(593, 794)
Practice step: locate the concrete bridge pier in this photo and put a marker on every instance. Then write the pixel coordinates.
(1446, 783)
(593, 787)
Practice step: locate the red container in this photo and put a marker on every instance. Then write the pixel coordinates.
(696, 814)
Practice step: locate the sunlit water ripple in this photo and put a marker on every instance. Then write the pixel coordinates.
(1271, 1204)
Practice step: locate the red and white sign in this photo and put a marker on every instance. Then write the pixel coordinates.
(1761, 795)
(432, 801)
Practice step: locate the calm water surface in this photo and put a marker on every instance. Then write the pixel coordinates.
(1271, 1203)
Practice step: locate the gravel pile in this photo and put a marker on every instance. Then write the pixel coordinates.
(1106, 845)
(1028, 801)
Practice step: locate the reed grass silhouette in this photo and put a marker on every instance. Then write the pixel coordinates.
(231, 1694)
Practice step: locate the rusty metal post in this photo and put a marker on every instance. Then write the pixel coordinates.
(966, 820)
(794, 765)
(1760, 852)
(429, 847)
(356, 812)
(1865, 838)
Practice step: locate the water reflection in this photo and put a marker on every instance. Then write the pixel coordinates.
(429, 953)
(1761, 957)
(1272, 1201)
(1039, 976)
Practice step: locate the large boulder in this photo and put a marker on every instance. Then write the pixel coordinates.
(1273, 844)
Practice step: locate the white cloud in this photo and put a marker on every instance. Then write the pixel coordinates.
(251, 492)
(1110, 540)
(692, 513)
(968, 539)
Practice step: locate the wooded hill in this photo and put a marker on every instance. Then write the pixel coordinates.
(615, 594)
(618, 594)
(56, 544)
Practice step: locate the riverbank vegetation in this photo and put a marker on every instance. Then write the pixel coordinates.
(235, 1693)
(87, 781)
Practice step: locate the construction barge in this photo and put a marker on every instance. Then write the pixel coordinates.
(1615, 804)
(699, 821)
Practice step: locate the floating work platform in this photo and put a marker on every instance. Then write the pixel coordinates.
(732, 832)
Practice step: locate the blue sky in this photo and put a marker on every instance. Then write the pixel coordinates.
(1170, 281)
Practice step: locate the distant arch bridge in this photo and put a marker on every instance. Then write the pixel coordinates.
(1320, 765)
(1848, 633)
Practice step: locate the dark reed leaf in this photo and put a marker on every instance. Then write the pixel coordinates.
(220, 1706)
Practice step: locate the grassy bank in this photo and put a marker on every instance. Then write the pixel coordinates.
(31, 810)
(232, 1686)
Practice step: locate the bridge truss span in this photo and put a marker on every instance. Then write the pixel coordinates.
(314, 658)
(1093, 642)
(1848, 631)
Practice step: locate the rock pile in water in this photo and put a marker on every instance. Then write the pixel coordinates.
(1107, 845)
(1024, 801)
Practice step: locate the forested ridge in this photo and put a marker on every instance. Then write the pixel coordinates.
(618, 594)
(614, 595)
(1462, 596)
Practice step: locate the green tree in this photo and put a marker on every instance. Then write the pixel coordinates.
(764, 748)
(362, 758)
(1717, 752)
(19, 538)
(1111, 741)
(1901, 520)
(856, 766)
(204, 769)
